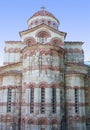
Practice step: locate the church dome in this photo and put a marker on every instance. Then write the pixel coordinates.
(43, 13)
(43, 16)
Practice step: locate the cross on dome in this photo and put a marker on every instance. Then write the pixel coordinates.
(43, 8)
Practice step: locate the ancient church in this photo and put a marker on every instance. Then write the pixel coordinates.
(44, 82)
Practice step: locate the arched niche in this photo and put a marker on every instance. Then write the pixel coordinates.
(42, 36)
(29, 41)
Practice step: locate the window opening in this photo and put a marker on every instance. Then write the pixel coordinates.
(53, 100)
(9, 95)
(32, 100)
(42, 100)
(76, 101)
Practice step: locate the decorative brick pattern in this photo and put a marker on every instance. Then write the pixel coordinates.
(47, 79)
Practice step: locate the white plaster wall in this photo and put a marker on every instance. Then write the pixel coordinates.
(78, 82)
(34, 76)
(58, 100)
(17, 57)
(1, 100)
(48, 100)
(46, 60)
(4, 100)
(8, 80)
(0, 81)
(11, 80)
(6, 57)
(11, 56)
(13, 45)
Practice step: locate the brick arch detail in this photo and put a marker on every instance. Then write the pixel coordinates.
(43, 121)
(56, 41)
(61, 84)
(43, 84)
(70, 50)
(54, 85)
(31, 121)
(54, 121)
(76, 50)
(9, 87)
(43, 32)
(31, 84)
(29, 39)
(76, 87)
(23, 120)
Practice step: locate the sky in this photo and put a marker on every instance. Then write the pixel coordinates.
(74, 17)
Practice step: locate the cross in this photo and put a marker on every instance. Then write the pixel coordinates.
(43, 7)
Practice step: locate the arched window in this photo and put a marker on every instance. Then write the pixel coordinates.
(54, 25)
(76, 100)
(42, 100)
(54, 124)
(54, 128)
(23, 124)
(9, 95)
(29, 41)
(32, 100)
(53, 100)
(30, 124)
(42, 36)
(42, 123)
(49, 22)
(40, 63)
(57, 41)
(42, 128)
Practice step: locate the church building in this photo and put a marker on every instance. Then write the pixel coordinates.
(44, 82)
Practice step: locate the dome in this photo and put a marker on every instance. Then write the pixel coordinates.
(44, 13)
(43, 16)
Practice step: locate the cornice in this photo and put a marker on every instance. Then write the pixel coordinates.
(75, 64)
(11, 72)
(79, 67)
(39, 46)
(10, 65)
(73, 42)
(40, 26)
(13, 42)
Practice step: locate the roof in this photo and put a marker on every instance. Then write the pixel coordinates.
(74, 42)
(43, 13)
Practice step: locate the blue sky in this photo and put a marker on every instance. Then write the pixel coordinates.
(74, 17)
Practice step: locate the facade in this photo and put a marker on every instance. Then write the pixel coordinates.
(44, 83)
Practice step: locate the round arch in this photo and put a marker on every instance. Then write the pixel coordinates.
(56, 41)
(31, 121)
(29, 41)
(54, 124)
(43, 84)
(43, 121)
(31, 84)
(43, 34)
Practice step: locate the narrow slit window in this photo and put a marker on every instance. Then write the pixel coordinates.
(76, 101)
(9, 95)
(42, 100)
(42, 128)
(32, 100)
(53, 100)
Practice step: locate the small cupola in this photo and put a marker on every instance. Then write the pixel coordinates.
(43, 17)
